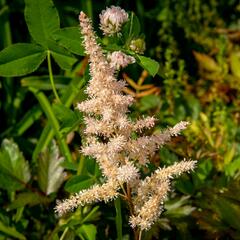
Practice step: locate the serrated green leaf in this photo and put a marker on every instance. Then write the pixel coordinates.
(43, 82)
(50, 170)
(70, 38)
(42, 20)
(27, 198)
(14, 169)
(149, 64)
(77, 183)
(62, 57)
(87, 232)
(20, 59)
(11, 231)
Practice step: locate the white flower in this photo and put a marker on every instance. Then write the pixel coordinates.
(127, 173)
(119, 60)
(112, 19)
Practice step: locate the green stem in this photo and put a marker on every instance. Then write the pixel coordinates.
(71, 92)
(51, 76)
(140, 235)
(45, 138)
(81, 165)
(64, 233)
(89, 8)
(8, 85)
(54, 122)
(118, 218)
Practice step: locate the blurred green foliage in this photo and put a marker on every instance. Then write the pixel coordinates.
(196, 45)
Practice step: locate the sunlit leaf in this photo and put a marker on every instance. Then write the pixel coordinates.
(207, 63)
(235, 63)
(14, 169)
(149, 64)
(50, 170)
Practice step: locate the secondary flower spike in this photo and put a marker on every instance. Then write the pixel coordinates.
(109, 140)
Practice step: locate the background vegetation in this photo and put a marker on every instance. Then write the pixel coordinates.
(196, 44)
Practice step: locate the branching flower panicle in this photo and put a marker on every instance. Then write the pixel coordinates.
(109, 135)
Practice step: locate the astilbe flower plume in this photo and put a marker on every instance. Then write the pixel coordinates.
(109, 140)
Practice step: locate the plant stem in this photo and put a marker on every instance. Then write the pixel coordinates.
(51, 76)
(54, 122)
(140, 235)
(64, 233)
(81, 165)
(118, 219)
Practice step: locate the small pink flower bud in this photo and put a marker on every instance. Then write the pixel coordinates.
(119, 60)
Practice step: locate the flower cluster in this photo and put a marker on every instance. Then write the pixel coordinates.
(109, 139)
(119, 60)
(112, 19)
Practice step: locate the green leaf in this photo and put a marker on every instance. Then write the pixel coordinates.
(50, 171)
(46, 106)
(149, 64)
(193, 105)
(43, 82)
(206, 63)
(14, 169)
(149, 102)
(233, 167)
(42, 19)
(87, 232)
(62, 57)
(11, 231)
(77, 183)
(178, 208)
(235, 63)
(27, 198)
(229, 212)
(68, 118)
(92, 167)
(71, 39)
(20, 59)
(132, 28)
